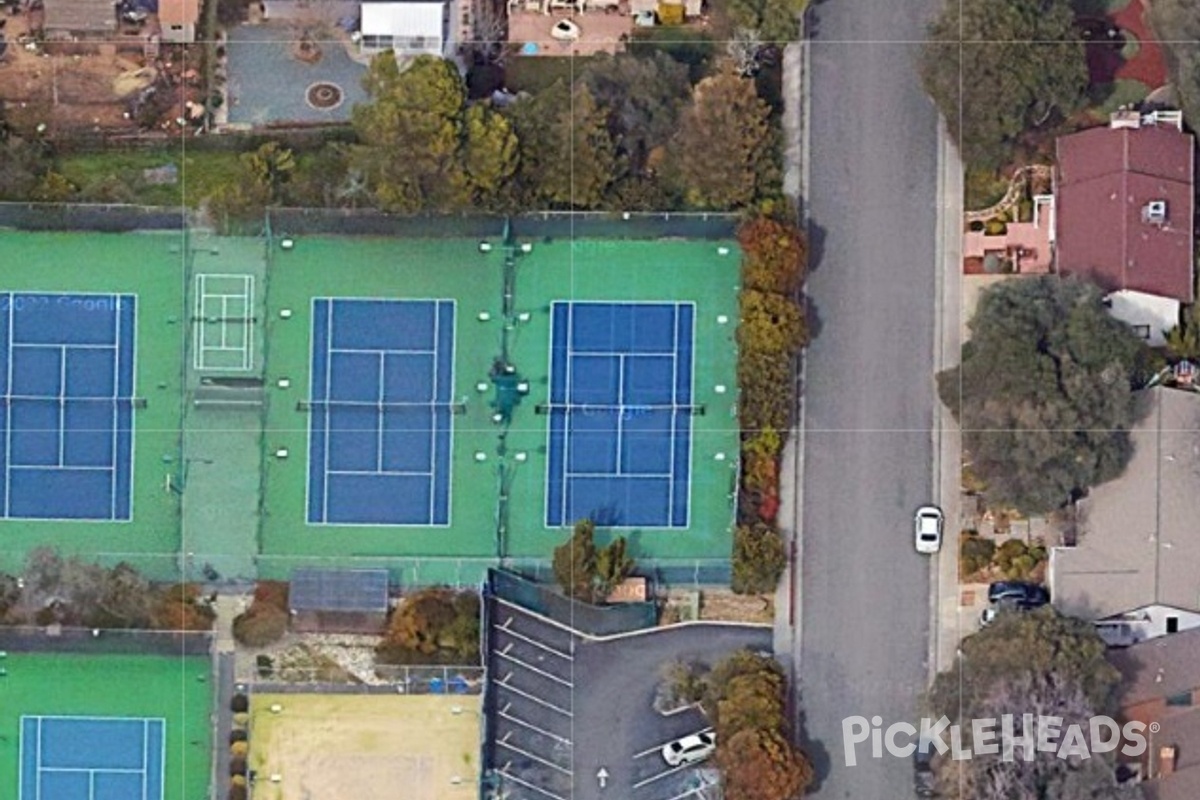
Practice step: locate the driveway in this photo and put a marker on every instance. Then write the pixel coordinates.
(869, 399)
(562, 707)
(268, 84)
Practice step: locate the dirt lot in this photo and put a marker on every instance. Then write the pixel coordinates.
(64, 89)
(366, 747)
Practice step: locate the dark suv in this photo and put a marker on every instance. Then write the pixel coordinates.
(1027, 595)
(924, 782)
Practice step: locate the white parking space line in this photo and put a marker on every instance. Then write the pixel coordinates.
(532, 668)
(527, 754)
(527, 640)
(661, 775)
(502, 684)
(502, 714)
(658, 747)
(510, 777)
(690, 792)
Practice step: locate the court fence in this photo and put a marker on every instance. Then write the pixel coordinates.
(584, 617)
(393, 679)
(96, 641)
(284, 222)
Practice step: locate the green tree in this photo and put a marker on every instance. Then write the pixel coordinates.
(724, 156)
(271, 166)
(586, 161)
(775, 21)
(490, 153)
(759, 557)
(642, 97)
(1033, 645)
(411, 133)
(52, 188)
(774, 256)
(613, 565)
(1044, 393)
(575, 561)
(1177, 23)
(996, 69)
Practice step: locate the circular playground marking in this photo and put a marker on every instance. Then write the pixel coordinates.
(324, 96)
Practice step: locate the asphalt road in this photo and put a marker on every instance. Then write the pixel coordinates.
(869, 399)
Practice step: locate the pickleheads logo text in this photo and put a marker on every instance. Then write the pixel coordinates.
(1027, 734)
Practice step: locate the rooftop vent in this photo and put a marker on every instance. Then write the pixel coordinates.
(1155, 212)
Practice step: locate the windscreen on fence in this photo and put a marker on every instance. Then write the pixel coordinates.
(579, 616)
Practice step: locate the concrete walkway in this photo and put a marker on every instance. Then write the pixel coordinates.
(948, 625)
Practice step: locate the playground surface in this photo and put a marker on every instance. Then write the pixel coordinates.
(329, 747)
(104, 727)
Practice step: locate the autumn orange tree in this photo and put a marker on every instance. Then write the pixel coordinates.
(771, 332)
(745, 698)
(433, 626)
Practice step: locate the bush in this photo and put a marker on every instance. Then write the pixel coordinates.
(259, 627)
(241, 719)
(239, 749)
(974, 553)
(265, 665)
(271, 593)
(995, 227)
(238, 780)
(774, 256)
(238, 792)
(239, 704)
(237, 736)
(237, 765)
(1017, 560)
(679, 686)
(759, 557)
(435, 625)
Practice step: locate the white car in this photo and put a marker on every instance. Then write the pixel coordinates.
(927, 529)
(690, 749)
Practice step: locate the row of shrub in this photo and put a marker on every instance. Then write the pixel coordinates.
(770, 335)
(239, 747)
(1014, 559)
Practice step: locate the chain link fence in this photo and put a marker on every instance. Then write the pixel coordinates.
(96, 641)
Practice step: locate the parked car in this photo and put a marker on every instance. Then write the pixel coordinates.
(690, 749)
(1030, 594)
(927, 529)
(1006, 604)
(924, 781)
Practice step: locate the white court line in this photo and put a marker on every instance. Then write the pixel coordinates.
(62, 405)
(325, 345)
(113, 770)
(505, 715)
(661, 775)
(36, 467)
(539, 759)
(145, 754)
(528, 785)
(433, 431)
(397, 472)
(58, 346)
(655, 475)
(693, 791)
(8, 413)
(389, 350)
(527, 640)
(38, 758)
(534, 669)
(501, 684)
(620, 405)
(92, 786)
(381, 376)
(659, 747)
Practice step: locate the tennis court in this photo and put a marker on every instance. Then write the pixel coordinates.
(66, 420)
(223, 322)
(620, 414)
(381, 412)
(92, 758)
(77, 726)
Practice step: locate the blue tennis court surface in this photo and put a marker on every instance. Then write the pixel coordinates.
(66, 406)
(381, 412)
(92, 758)
(620, 414)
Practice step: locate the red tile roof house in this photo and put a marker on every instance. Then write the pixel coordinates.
(1161, 684)
(1124, 216)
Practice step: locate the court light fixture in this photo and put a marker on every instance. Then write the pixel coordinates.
(480, 456)
(722, 251)
(626, 215)
(722, 320)
(484, 316)
(497, 418)
(281, 452)
(287, 244)
(524, 316)
(526, 248)
(719, 388)
(719, 457)
(485, 247)
(523, 387)
(284, 383)
(285, 313)
(482, 386)
(520, 456)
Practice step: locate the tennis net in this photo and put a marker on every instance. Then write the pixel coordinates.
(626, 410)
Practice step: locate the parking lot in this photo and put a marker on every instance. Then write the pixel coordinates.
(571, 716)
